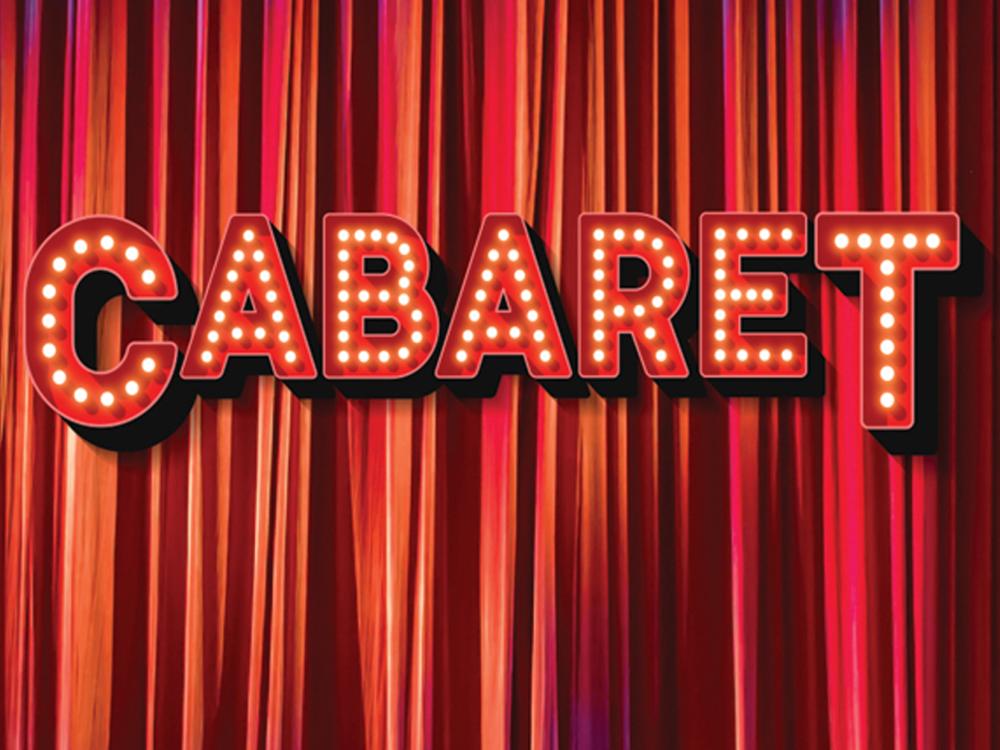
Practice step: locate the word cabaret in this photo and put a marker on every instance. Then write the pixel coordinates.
(381, 328)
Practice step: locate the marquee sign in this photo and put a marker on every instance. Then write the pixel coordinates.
(382, 331)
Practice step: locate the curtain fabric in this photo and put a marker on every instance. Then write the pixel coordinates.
(519, 571)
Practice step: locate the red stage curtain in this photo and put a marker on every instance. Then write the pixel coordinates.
(519, 571)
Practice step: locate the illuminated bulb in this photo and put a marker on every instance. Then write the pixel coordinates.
(909, 241)
(887, 347)
(343, 276)
(148, 364)
(504, 235)
(887, 241)
(650, 332)
(887, 294)
(383, 296)
(720, 254)
(720, 355)
(638, 235)
(493, 255)
(49, 320)
(480, 295)
(219, 316)
(520, 275)
(742, 355)
(290, 357)
(765, 355)
(887, 373)
(417, 315)
(342, 295)
(742, 234)
(48, 291)
(131, 388)
(720, 234)
(80, 246)
(668, 283)
(359, 235)
(59, 377)
(49, 351)
(491, 332)
(515, 332)
(248, 235)
(619, 234)
(786, 355)
(107, 242)
(343, 234)
(59, 264)
(467, 335)
(403, 352)
(735, 295)
(538, 335)
(598, 276)
(764, 234)
(526, 295)
(767, 294)
(487, 275)
(598, 315)
(363, 356)
(408, 266)
(598, 254)
(376, 235)
(80, 395)
(657, 301)
(284, 336)
(404, 299)
(258, 255)
(668, 261)
(107, 398)
(887, 320)
(751, 294)
(461, 355)
(619, 310)
(237, 333)
(661, 355)
(343, 356)
(277, 316)
(786, 235)
(383, 356)
(343, 316)
(598, 356)
(259, 332)
(864, 240)
(231, 276)
(364, 295)
(132, 253)
(887, 267)
(657, 243)
(544, 355)
(720, 294)
(887, 400)
(226, 295)
(404, 249)
(933, 241)
(343, 256)
(416, 337)
(720, 275)
(239, 256)
(720, 335)
(213, 336)
(513, 255)
(392, 238)
(473, 315)
(343, 337)
(638, 311)
(265, 276)
(720, 314)
(598, 234)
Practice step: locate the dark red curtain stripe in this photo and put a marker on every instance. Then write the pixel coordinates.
(519, 571)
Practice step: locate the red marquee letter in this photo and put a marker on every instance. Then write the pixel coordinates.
(887, 249)
(728, 294)
(503, 308)
(608, 311)
(98, 402)
(395, 293)
(249, 309)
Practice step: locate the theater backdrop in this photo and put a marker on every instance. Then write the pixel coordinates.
(704, 572)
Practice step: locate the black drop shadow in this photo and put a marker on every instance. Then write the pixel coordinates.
(169, 412)
(965, 281)
(418, 383)
(493, 366)
(230, 384)
(685, 323)
(800, 311)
